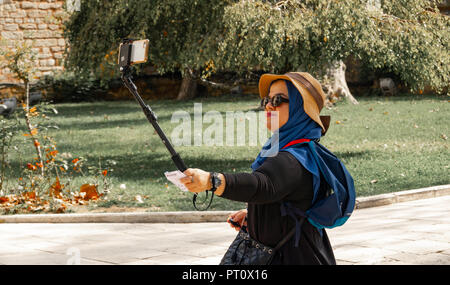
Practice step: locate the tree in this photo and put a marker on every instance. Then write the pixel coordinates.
(198, 38)
(407, 38)
(183, 35)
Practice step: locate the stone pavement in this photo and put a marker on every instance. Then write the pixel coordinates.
(414, 232)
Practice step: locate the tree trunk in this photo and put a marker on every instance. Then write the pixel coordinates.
(335, 85)
(188, 87)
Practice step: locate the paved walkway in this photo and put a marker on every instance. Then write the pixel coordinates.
(415, 232)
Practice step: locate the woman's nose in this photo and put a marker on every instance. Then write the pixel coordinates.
(269, 107)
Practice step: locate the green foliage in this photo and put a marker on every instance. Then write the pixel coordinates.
(409, 39)
(182, 33)
(68, 86)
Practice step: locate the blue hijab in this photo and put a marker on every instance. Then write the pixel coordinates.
(299, 126)
(335, 209)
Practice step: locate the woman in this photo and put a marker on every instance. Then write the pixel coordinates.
(295, 99)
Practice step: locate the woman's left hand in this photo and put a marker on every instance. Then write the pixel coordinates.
(197, 180)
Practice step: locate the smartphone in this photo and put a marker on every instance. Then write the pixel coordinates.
(234, 223)
(133, 52)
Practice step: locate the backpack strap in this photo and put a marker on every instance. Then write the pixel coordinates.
(284, 240)
(287, 209)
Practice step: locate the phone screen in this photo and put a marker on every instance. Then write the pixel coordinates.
(136, 52)
(139, 52)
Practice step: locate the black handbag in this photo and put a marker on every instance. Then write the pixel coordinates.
(246, 251)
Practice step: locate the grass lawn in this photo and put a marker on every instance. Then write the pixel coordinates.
(387, 144)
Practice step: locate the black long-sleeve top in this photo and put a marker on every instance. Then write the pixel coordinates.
(280, 179)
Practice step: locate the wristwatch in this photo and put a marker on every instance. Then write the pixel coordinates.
(215, 181)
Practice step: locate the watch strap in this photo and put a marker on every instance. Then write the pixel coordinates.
(214, 178)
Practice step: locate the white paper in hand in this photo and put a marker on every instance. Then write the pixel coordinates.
(174, 177)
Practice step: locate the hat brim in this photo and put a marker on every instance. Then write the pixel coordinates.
(309, 104)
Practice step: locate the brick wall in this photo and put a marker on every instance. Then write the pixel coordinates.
(35, 22)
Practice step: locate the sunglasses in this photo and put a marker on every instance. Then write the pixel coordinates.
(275, 100)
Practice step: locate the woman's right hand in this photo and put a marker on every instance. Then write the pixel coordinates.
(238, 217)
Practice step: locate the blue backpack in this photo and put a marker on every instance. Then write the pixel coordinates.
(327, 211)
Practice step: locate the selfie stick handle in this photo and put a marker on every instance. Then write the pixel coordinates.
(151, 117)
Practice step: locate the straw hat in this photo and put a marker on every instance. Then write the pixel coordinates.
(310, 89)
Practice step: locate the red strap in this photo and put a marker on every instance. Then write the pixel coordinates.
(296, 142)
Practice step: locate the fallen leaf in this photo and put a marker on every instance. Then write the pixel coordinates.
(30, 195)
(61, 209)
(4, 200)
(31, 166)
(56, 188)
(90, 191)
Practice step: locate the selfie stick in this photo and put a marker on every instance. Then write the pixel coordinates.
(151, 117)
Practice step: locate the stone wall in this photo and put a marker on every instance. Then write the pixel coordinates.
(35, 22)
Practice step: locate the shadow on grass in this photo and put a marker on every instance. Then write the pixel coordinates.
(125, 122)
(106, 124)
(149, 169)
(352, 154)
(129, 106)
(97, 108)
(153, 165)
